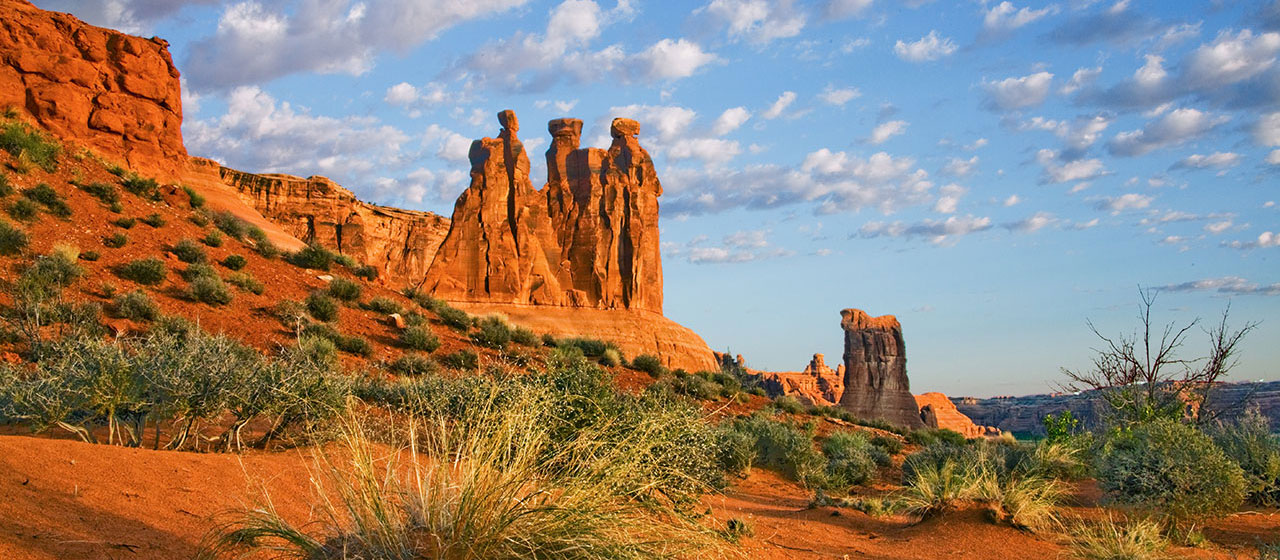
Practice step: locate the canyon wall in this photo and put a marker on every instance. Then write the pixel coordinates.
(113, 93)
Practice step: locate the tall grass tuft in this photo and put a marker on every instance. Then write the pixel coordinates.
(1110, 540)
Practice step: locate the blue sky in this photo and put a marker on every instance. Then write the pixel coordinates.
(993, 173)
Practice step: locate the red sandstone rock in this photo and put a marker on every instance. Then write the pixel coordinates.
(875, 375)
(937, 411)
(817, 385)
(113, 93)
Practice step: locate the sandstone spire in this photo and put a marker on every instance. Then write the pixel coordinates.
(875, 369)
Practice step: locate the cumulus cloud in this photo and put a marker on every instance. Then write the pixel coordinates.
(936, 231)
(256, 43)
(730, 120)
(1265, 240)
(671, 60)
(1216, 159)
(927, 48)
(838, 96)
(1005, 17)
(949, 199)
(887, 130)
(1032, 223)
(737, 247)
(1011, 201)
(957, 167)
(1018, 93)
(1058, 171)
(1273, 158)
(447, 144)
(1077, 134)
(1124, 202)
(1175, 127)
(785, 100)
(756, 21)
(129, 16)
(1082, 78)
(1266, 132)
(1216, 228)
(1229, 285)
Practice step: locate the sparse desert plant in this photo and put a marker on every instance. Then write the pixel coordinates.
(1109, 539)
(154, 220)
(784, 447)
(105, 193)
(383, 305)
(209, 289)
(493, 331)
(116, 240)
(230, 224)
(420, 338)
(454, 318)
(312, 257)
(463, 360)
(149, 271)
(235, 262)
(735, 529)
(189, 251)
(195, 199)
(6, 188)
(1170, 468)
(851, 459)
(213, 238)
(322, 307)
(611, 357)
(697, 386)
(736, 449)
(261, 244)
(788, 404)
(930, 436)
(344, 290)
(590, 347)
(890, 445)
(366, 272)
(125, 223)
(354, 344)
(91, 256)
(246, 282)
(136, 305)
(144, 187)
(25, 143)
(24, 210)
(414, 364)
(53, 202)
(199, 270)
(1250, 443)
(936, 487)
(524, 336)
(292, 314)
(12, 239)
(1027, 501)
(649, 364)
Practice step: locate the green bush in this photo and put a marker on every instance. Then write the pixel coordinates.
(649, 364)
(210, 290)
(49, 198)
(190, 252)
(890, 445)
(851, 459)
(235, 262)
(354, 344)
(454, 318)
(464, 360)
(737, 450)
(414, 364)
(213, 238)
(784, 447)
(104, 192)
(136, 305)
(930, 436)
(590, 347)
(153, 220)
(261, 244)
(344, 290)
(24, 210)
(194, 198)
(230, 224)
(1250, 443)
(12, 239)
(383, 305)
(149, 271)
(144, 187)
(420, 338)
(788, 404)
(322, 307)
(246, 282)
(312, 257)
(611, 357)
(494, 332)
(1171, 469)
(115, 240)
(524, 337)
(90, 256)
(199, 270)
(126, 223)
(23, 142)
(697, 386)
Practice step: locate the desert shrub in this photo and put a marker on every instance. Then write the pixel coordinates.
(311, 257)
(611, 357)
(414, 364)
(25, 143)
(464, 360)
(1108, 539)
(104, 192)
(144, 187)
(851, 459)
(125, 223)
(230, 224)
(783, 447)
(209, 289)
(524, 336)
(494, 332)
(1028, 501)
(1249, 442)
(1059, 427)
(53, 202)
(424, 300)
(1169, 468)
(115, 240)
(292, 314)
(590, 347)
(149, 271)
(189, 251)
(930, 436)
(23, 210)
(322, 307)
(154, 220)
(344, 290)
(354, 344)
(246, 282)
(649, 364)
(6, 188)
(213, 238)
(936, 487)
(890, 445)
(198, 270)
(736, 450)
(195, 199)
(12, 239)
(419, 338)
(366, 272)
(235, 262)
(261, 244)
(91, 256)
(136, 305)
(1062, 460)
(383, 305)
(788, 404)
(453, 317)
(697, 386)
(200, 219)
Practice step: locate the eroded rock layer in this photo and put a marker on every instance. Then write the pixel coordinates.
(875, 369)
(116, 94)
(589, 238)
(937, 411)
(817, 385)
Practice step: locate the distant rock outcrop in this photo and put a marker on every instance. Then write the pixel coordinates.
(589, 238)
(875, 369)
(817, 385)
(937, 411)
(116, 94)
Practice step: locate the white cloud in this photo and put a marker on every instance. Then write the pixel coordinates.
(1018, 93)
(1266, 132)
(1011, 201)
(1216, 228)
(785, 100)
(1079, 134)
(946, 204)
(930, 47)
(670, 60)
(1174, 128)
(1230, 59)
(937, 231)
(730, 120)
(1056, 171)
(757, 21)
(449, 145)
(1082, 78)
(1033, 223)
(1265, 240)
(1005, 16)
(887, 130)
(1216, 159)
(714, 151)
(133, 17)
(1230, 285)
(1128, 201)
(958, 167)
(838, 96)
(1273, 158)
(671, 122)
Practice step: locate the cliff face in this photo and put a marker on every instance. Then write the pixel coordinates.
(399, 243)
(116, 94)
(817, 385)
(937, 411)
(875, 369)
(589, 238)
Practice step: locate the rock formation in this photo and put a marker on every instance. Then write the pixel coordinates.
(937, 411)
(817, 385)
(589, 238)
(115, 94)
(875, 369)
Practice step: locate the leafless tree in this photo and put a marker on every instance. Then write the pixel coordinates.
(1141, 375)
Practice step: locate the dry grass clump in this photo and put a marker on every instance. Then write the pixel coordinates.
(1112, 540)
